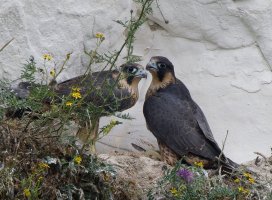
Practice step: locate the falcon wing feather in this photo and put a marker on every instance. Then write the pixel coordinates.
(203, 124)
(171, 119)
(112, 99)
(182, 92)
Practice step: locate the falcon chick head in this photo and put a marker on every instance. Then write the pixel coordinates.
(133, 72)
(161, 68)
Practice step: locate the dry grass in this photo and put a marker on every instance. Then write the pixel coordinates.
(21, 153)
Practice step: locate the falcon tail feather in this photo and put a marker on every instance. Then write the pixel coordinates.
(229, 165)
(232, 163)
(233, 169)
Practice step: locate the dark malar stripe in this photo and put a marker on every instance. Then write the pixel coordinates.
(130, 79)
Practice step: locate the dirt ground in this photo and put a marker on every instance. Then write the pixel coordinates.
(142, 173)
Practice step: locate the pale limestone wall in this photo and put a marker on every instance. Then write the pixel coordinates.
(221, 49)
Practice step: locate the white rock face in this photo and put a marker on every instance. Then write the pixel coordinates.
(222, 51)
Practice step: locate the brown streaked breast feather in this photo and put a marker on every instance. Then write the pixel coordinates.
(169, 156)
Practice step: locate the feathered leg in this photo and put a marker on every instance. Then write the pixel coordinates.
(88, 134)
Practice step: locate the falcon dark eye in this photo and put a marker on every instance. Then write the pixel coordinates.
(132, 70)
(161, 65)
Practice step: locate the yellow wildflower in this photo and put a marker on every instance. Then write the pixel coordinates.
(76, 89)
(240, 189)
(27, 192)
(243, 190)
(199, 164)
(237, 180)
(47, 57)
(251, 180)
(247, 175)
(52, 72)
(78, 160)
(69, 103)
(43, 166)
(174, 192)
(76, 95)
(40, 178)
(100, 36)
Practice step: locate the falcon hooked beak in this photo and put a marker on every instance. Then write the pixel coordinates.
(152, 66)
(141, 73)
